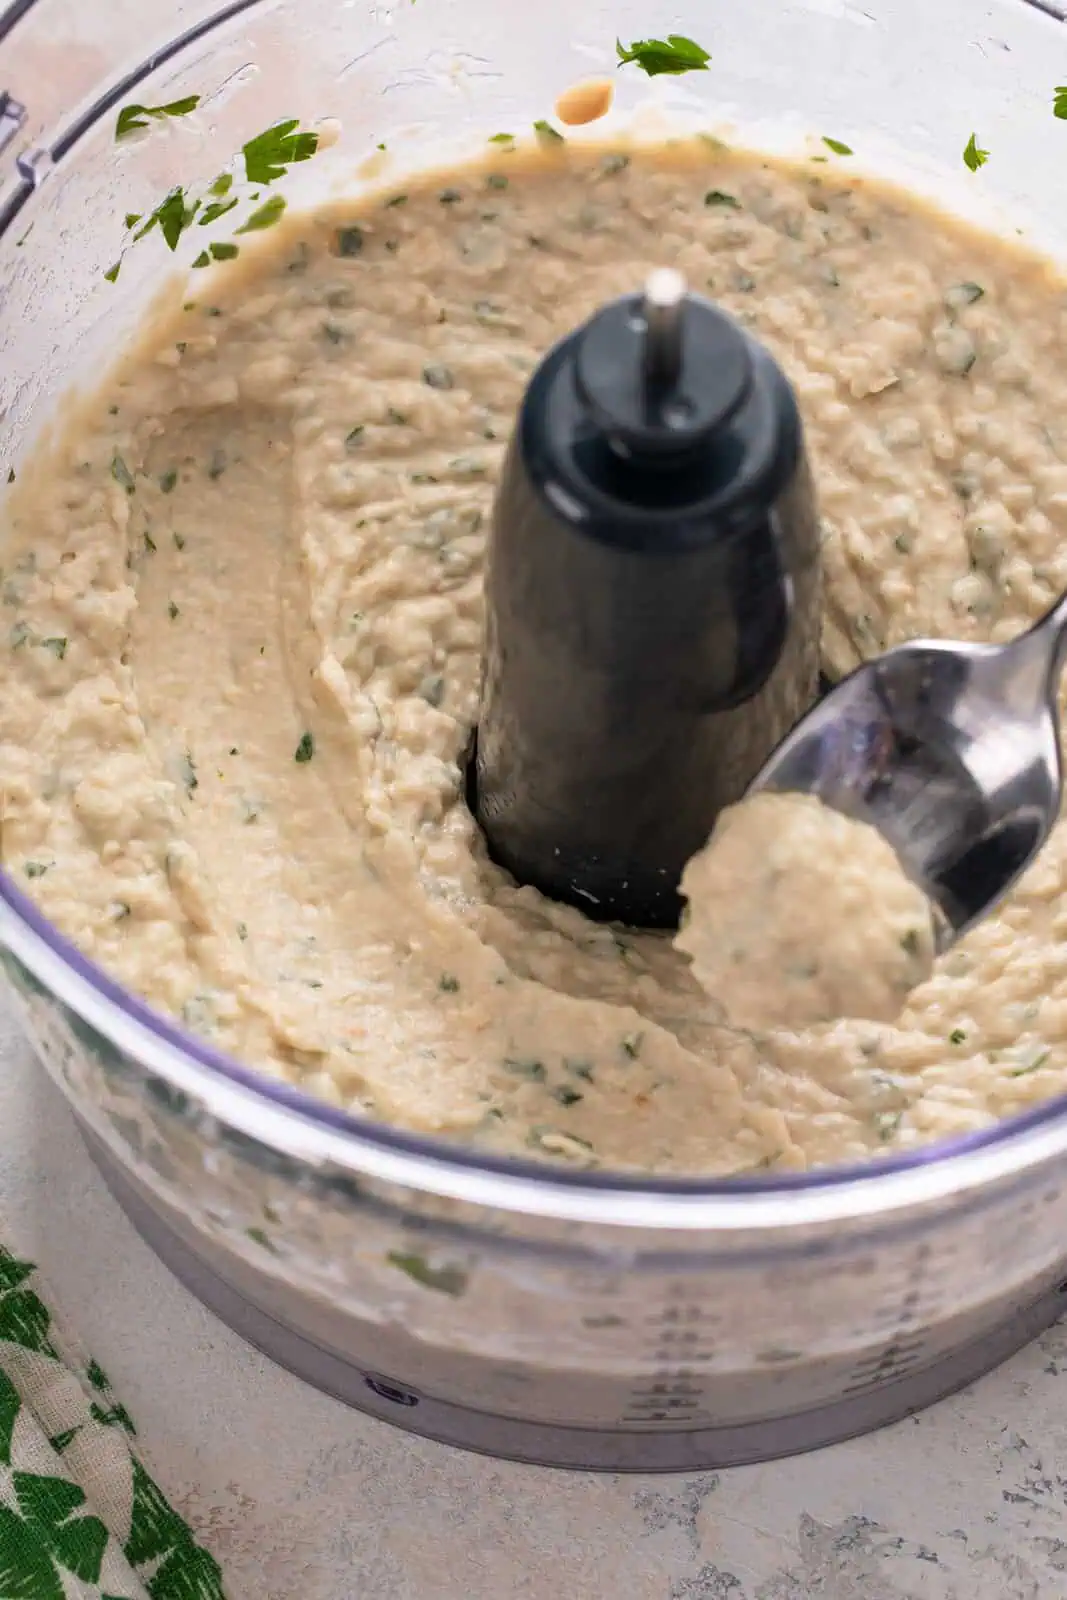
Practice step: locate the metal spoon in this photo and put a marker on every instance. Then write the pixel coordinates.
(952, 752)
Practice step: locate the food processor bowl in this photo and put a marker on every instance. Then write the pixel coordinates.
(570, 1318)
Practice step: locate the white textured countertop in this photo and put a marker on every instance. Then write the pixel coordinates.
(301, 1499)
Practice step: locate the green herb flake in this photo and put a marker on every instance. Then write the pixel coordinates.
(580, 1069)
(172, 216)
(179, 541)
(438, 377)
(217, 208)
(396, 200)
(547, 133)
(354, 436)
(122, 474)
(888, 1125)
(496, 180)
(911, 943)
(349, 241)
(448, 1280)
(222, 184)
(133, 117)
(266, 216)
(957, 1036)
(838, 148)
(242, 931)
(450, 197)
(57, 646)
(272, 152)
(202, 260)
(305, 749)
(10, 474)
(133, 218)
(1059, 102)
(258, 1236)
(187, 769)
(566, 1095)
(973, 156)
(533, 1071)
(448, 984)
(173, 611)
(674, 55)
(36, 869)
(168, 482)
(502, 138)
(631, 1045)
(1031, 1066)
(963, 294)
(719, 197)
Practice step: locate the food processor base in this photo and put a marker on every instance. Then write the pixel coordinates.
(650, 1449)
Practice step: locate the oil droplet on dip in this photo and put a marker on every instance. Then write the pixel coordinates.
(585, 102)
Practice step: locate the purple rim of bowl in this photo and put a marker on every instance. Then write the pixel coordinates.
(317, 1112)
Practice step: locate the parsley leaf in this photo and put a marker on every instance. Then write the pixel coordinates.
(172, 216)
(217, 208)
(305, 749)
(266, 216)
(132, 118)
(269, 154)
(1059, 103)
(837, 147)
(547, 133)
(973, 157)
(675, 54)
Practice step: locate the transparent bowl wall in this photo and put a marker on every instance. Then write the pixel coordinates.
(306, 1209)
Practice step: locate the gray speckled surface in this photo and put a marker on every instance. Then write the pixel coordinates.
(303, 1500)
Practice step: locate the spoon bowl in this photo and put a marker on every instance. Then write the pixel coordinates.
(952, 752)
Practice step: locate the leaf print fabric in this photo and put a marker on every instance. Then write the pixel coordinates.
(80, 1518)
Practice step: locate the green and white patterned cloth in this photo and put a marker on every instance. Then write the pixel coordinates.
(80, 1518)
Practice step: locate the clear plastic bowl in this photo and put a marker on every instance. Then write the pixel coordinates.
(587, 1320)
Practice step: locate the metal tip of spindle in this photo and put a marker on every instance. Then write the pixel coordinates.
(665, 295)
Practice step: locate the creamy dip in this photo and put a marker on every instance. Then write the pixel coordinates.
(798, 915)
(242, 615)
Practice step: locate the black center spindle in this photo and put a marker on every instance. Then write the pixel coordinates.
(652, 597)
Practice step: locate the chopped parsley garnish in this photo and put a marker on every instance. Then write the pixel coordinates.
(58, 647)
(133, 218)
(270, 153)
(36, 869)
(675, 54)
(216, 209)
(448, 984)
(547, 133)
(353, 437)
(122, 474)
(502, 138)
(349, 241)
(10, 474)
(168, 482)
(973, 156)
(149, 543)
(172, 216)
(305, 749)
(223, 184)
(631, 1045)
(719, 197)
(173, 611)
(445, 1280)
(242, 931)
(566, 1095)
(963, 294)
(533, 1070)
(179, 539)
(1059, 102)
(438, 377)
(911, 943)
(957, 1036)
(187, 768)
(266, 215)
(450, 197)
(1030, 1066)
(132, 118)
(838, 148)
